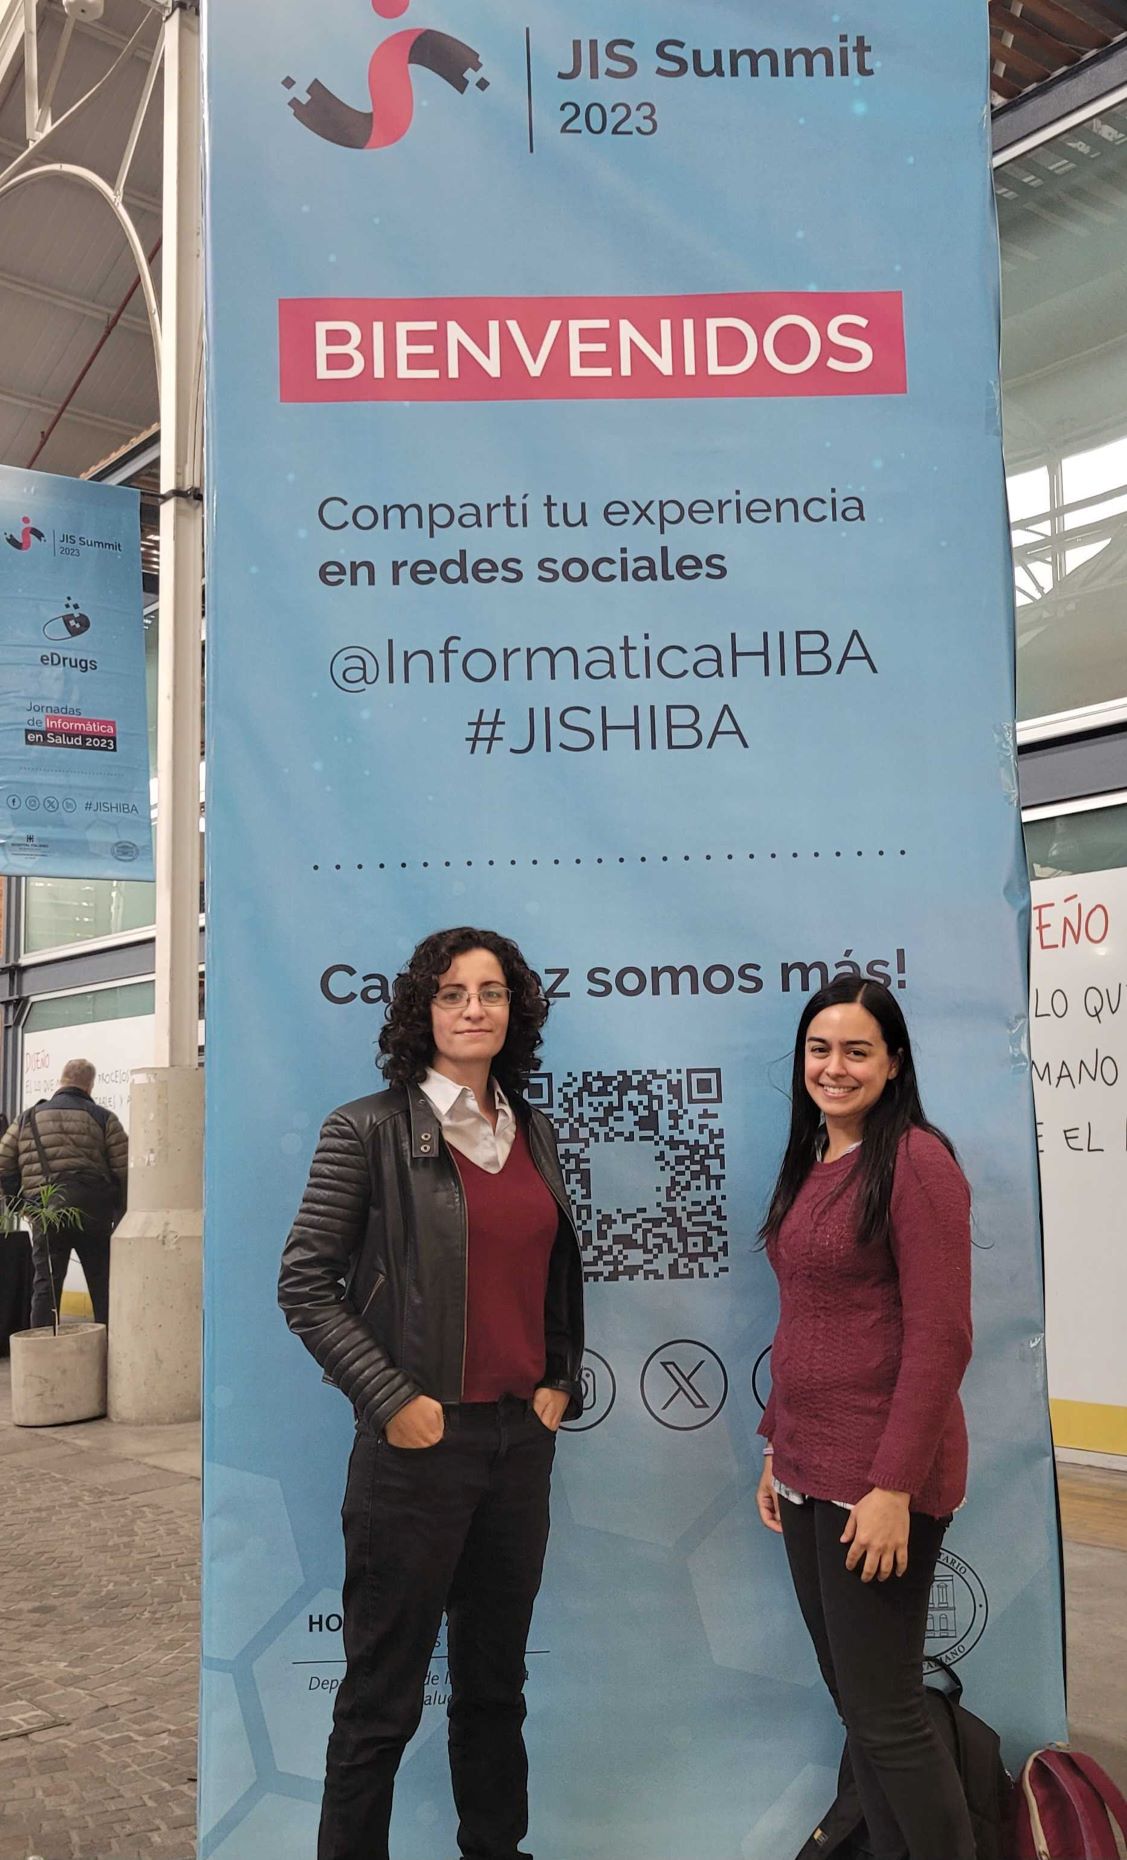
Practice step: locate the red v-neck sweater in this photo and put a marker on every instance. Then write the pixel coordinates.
(513, 1219)
(872, 1341)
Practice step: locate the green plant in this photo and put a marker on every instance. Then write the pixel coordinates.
(47, 1210)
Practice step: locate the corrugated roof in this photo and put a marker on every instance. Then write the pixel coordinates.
(1033, 40)
(64, 263)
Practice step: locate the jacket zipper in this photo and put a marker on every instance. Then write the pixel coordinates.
(465, 1273)
(465, 1263)
(381, 1279)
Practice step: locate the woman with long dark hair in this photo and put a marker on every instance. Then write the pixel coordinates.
(868, 1233)
(434, 1272)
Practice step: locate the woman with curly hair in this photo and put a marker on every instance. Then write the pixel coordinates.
(434, 1272)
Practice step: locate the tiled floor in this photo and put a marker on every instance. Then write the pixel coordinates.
(1094, 1516)
(98, 1621)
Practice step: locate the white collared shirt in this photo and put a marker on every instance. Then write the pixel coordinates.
(465, 1125)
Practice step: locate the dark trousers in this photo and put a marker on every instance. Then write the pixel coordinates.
(91, 1242)
(460, 1527)
(869, 1639)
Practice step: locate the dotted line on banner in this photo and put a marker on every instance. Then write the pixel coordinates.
(454, 865)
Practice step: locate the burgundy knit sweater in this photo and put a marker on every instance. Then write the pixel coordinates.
(512, 1219)
(872, 1341)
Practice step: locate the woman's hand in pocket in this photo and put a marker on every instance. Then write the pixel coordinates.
(549, 1406)
(419, 1423)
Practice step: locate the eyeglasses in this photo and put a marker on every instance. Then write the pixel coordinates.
(493, 995)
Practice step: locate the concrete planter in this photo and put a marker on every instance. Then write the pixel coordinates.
(58, 1379)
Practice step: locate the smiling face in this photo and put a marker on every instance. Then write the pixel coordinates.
(467, 1037)
(847, 1065)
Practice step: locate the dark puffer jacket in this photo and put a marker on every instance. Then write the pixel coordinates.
(78, 1137)
(373, 1275)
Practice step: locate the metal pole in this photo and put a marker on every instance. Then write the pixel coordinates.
(154, 1340)
(181, 556)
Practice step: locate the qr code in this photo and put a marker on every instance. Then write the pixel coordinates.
(643, 1159)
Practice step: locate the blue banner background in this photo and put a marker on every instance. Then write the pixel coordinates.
(674, 1704)
(72, 643)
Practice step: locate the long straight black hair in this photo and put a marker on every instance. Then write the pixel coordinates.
(897, 1109)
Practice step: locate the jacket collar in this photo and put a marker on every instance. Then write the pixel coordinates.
(425, 1128)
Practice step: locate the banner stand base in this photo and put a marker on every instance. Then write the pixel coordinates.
(156, 1255)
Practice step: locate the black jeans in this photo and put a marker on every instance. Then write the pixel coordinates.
(869, 1639)
(460, 1527)
(91, 1242)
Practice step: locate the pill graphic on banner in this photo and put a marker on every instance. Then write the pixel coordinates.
(67, 625)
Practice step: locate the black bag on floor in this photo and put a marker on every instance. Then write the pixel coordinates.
(975, 1746)
(841, 1831)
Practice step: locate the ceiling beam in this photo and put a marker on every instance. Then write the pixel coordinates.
(133, 197)
(1114, 11)
(1012, 59)
(11, 34)
(81, 306)
(11, 46)
(31, 403)
(105, 35)
(1065, 23)
(11, 39)
(1026, 32)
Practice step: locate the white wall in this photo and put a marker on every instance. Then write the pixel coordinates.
(1078, 1020)
(115, 1047)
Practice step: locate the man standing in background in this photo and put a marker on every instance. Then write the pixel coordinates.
(82, 1148)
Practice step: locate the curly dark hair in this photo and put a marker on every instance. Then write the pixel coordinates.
(406, 1038)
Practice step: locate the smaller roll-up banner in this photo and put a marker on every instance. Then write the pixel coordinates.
(74, 752)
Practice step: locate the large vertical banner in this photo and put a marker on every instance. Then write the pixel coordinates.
(608, 545)
(74, 741)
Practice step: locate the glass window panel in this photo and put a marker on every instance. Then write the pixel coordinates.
(58, 911)
(1103, 468)
(1062, 216)
(1091, 840)
(1028, 493)
(83, 1010)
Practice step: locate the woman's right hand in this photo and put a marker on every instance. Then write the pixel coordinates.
(767, 1498)
(419, 1423)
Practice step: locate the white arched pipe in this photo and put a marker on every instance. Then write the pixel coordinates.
(86, 175)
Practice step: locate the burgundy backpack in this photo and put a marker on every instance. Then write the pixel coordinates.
(1068, 1808)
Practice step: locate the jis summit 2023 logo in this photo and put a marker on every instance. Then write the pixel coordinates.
(390, 85)
(26, 535)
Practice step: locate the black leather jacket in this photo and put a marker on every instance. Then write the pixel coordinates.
(373, 1275)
